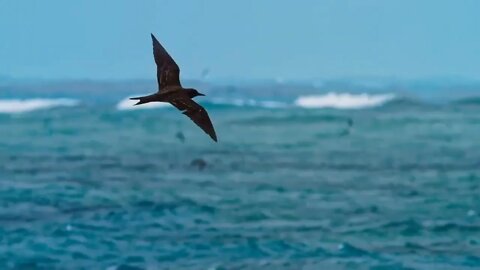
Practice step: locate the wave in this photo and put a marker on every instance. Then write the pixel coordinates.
(343, 100)
(329, 100)
(28, 105)
(471, 101)
(128, 104)
(238, 102)
(293, 118)
(410, 227)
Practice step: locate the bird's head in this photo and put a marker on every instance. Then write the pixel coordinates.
(193, 93)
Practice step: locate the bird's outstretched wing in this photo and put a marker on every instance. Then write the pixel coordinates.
(168, 72)
(195, 112)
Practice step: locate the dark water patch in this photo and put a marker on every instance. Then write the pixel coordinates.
(408, 227)
(38, 262)
(391, 266)
(443, 167)
(160, 207)
(412, 227)
(452, 227)
(295, 118)
(469, 101)
(128, 267)
(24, 218)
(88, 209)
(472, 261)
(16, 219)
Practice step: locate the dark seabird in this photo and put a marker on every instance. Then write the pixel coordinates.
(199, 163)
(350, 122)
(205, 73)
(349, 128)
(170, 90)
(179, 135)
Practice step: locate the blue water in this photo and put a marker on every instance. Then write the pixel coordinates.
(94, 187)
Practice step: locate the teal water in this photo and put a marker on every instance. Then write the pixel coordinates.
(94, 187)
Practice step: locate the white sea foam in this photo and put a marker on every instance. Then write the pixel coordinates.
(127, 104)
(343, 100)
(28, 105)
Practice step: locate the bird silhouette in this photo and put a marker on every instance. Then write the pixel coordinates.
(170, 90)
(179, 135)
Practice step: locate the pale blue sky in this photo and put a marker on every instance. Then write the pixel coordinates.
(248, 39)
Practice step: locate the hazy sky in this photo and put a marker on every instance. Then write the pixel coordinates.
(291, 39)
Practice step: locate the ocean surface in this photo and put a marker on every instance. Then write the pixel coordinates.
(332, 180)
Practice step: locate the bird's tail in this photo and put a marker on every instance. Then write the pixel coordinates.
(141, 100)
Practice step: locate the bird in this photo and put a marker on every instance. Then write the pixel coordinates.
(170, 90)
(179, 135)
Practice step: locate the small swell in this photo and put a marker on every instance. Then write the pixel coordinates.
(349, 250)
(293, 118)
(238, 102)
(28, 105)
(405, 102)
(412, 227)
(469, 101)
(343, 100)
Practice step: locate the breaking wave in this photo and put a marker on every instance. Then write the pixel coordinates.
(343, 100)
(28, 105)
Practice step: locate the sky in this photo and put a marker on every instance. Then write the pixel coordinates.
(248, 39)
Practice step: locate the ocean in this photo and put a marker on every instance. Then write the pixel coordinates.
(327, 180)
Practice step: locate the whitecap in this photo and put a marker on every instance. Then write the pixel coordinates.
(343, 100)
(28, 105)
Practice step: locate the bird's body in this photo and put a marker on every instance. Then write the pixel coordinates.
(173, 93)
(170, 90)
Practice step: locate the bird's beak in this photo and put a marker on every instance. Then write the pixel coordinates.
(201, 95)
